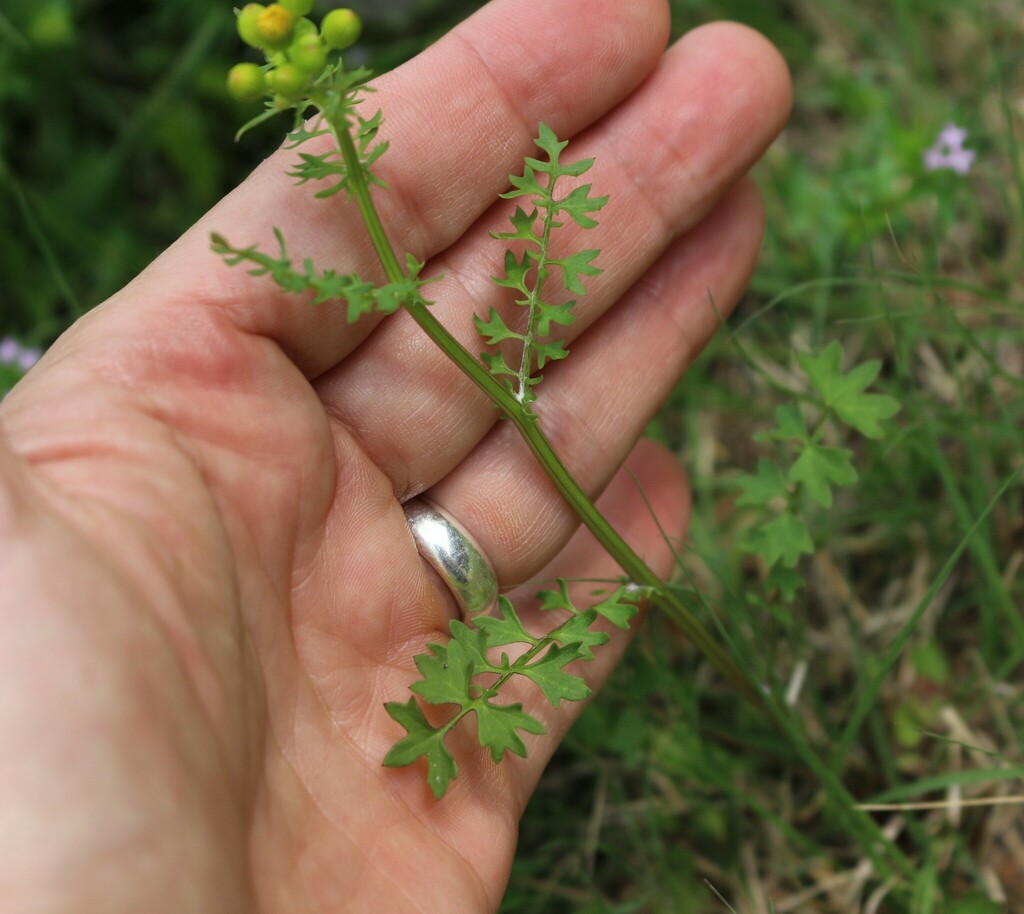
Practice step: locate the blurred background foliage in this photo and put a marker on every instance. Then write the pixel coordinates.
(901, 656)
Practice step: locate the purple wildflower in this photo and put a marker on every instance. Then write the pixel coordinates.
(948, 151)
(13, 353)
(27, 358)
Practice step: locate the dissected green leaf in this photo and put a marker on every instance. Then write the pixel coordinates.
(508, 629)
(549, 142)
(819, 468)
(497, 365)
(551, 351)
(472, 645)
(578, 203)
(520, 274)
(554, 314)
(789, 425)
(446, 673)
(323, 167)
(787, 581)
(361, 297)
(522, 225)
(577, 631)
(844, 394)
(576, 265)
(494, 330)
(618, 608)
(556, 599)
(515, 272)
(498, 726)
(422, 740)
(526, 185)
(785, 538)
(552, 679)
(768, 483)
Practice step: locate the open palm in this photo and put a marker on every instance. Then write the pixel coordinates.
(209, 589)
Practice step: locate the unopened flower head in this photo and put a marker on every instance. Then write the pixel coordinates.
(948, 151)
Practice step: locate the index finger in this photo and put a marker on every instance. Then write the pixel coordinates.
(459, 118)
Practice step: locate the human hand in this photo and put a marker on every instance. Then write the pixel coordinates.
(209, 588)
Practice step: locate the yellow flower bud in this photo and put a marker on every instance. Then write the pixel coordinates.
(275, 26)
(308, 53)
(341, 28)
(287, 80)
(246, 82)
(247, 30)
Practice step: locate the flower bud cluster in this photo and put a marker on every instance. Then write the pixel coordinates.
(296, 50)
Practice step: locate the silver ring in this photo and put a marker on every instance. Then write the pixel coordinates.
(454, 555)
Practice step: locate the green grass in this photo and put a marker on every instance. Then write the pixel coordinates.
(670, 796)
(907, 640)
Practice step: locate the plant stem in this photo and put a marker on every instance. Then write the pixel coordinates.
(526, 421)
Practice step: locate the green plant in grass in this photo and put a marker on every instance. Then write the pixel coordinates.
(305, 74)
(804, 469)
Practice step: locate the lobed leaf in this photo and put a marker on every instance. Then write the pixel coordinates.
(361, 297)
(446, 672)
(578, 203)
(493, 330)
(554, 314)
(819, 467)
(618, 608)
(505, 629)
(577, 631)
(549, 674)
(549, 352)
(577, 265)
(421, 740)
(784, 539)
(522, 224)
(525, 185)
(766, 484)
(472, 645)
(789, 425)
(515, 272)
(498, 726)
(844, 394)
(556, 599)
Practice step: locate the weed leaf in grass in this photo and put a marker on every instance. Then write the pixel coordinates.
(765, 485)
(785, 538)
(789, 425)
(844, 393)
(819, 468)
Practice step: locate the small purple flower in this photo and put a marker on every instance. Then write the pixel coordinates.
(948, 151)
(27, 358)
(13, 353)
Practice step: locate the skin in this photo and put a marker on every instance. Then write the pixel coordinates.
(209, 590)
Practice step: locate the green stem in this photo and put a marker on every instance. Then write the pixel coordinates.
(526, 421)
